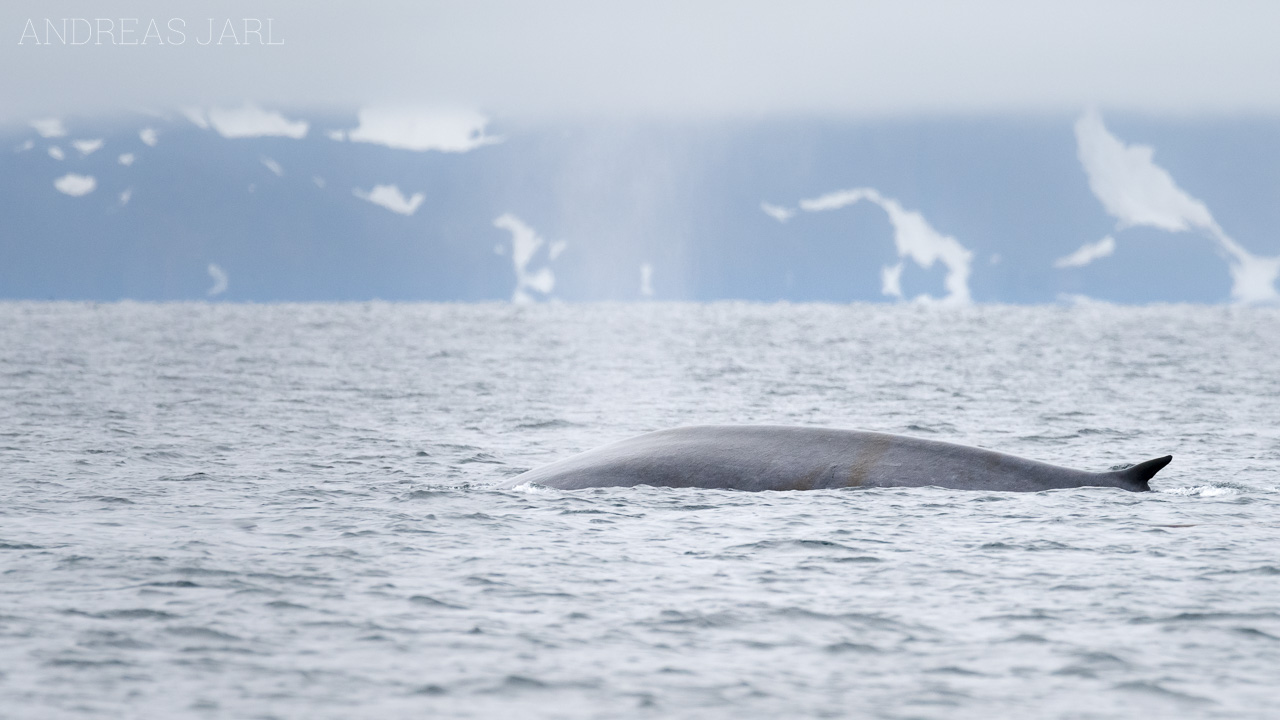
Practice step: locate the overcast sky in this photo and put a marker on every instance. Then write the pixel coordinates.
(680, 60)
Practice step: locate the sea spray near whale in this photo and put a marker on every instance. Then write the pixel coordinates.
(759, 458)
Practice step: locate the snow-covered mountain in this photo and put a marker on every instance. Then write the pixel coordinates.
(257, 204)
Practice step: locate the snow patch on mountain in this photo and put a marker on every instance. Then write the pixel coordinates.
(87, 147)
(1087, 253)
(777, 212)
(196, 116)
(75, 185)
(1137, 192)
(249, 121)
(914, 238)
(891, 280)
(49, 127)
(455, 131)
(219, 277)
(525, 242)
(390, 197)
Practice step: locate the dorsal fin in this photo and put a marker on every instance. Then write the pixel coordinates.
(1141, 473)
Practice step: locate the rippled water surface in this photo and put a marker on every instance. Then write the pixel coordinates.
(285, 511)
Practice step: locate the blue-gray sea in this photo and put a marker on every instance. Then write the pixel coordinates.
(286, 511)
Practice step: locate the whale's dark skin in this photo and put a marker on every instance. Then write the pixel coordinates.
(797, 458)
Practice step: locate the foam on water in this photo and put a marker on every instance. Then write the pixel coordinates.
(1207, 491)
(288, 511)
(532, 488)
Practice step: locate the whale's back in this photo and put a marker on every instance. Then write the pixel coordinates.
(793, 458)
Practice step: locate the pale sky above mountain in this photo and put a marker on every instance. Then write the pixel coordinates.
(656, 58)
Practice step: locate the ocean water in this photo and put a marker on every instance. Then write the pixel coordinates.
(286, 511)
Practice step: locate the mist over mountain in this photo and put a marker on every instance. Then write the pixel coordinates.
(253, 204)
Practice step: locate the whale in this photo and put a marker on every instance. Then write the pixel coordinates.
(765, 457)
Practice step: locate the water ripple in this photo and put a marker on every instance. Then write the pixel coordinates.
(288, 511)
